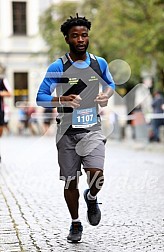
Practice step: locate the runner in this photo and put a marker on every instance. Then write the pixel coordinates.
(76, 77)
(4, 92)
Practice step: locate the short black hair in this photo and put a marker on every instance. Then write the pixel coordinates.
(74, 21)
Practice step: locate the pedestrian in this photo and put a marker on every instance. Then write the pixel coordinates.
(6, 119)
(48, 117)
(142, 107)
(4, 92)
(22, 118)
(76, 77)
(157, 104)
(33, 124)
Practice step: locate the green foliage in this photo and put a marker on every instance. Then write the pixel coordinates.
(121, 29)
(132, 31)
(50, 22)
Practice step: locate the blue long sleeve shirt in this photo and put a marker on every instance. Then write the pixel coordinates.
(55, 72)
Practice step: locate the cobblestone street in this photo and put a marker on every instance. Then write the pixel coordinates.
(34, 216)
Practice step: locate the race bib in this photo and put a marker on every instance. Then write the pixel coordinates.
(84, 118)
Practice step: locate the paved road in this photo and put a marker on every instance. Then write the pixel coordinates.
(33, 214)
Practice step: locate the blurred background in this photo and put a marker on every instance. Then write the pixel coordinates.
(33, 214)
(128, 34)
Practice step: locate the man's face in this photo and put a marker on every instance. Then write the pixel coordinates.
(78, 39)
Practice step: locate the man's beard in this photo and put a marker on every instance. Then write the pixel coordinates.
(76, 51)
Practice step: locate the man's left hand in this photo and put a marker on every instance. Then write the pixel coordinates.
(102, 99)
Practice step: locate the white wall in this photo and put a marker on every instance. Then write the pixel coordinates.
(22, 53)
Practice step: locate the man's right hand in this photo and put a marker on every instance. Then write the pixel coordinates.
(71, 100)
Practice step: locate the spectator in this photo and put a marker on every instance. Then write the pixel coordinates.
(6, 118)
(157, 105)
(27, 122)
(22, 118)
(49, 116)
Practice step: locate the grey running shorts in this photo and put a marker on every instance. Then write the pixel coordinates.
(87, 149)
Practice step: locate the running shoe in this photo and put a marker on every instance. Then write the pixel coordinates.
(93, 212)
(75, 232)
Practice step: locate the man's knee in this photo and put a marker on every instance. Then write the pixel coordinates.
(94, 172)
(71, 184)
(95, 176)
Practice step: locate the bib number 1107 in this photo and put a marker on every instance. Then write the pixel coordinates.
(83, 118)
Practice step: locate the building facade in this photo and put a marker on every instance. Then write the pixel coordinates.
(22, 51)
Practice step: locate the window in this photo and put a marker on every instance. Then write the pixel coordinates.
(20, 87)
(19, 18)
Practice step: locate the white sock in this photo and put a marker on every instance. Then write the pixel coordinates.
(90, 197)
(76, 220)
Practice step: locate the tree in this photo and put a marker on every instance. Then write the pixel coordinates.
(50, 22)
(121, 29)
(132, 31)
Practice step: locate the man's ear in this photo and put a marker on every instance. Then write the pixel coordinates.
(66, 39)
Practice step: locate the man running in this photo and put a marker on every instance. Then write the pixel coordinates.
(76, 78)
